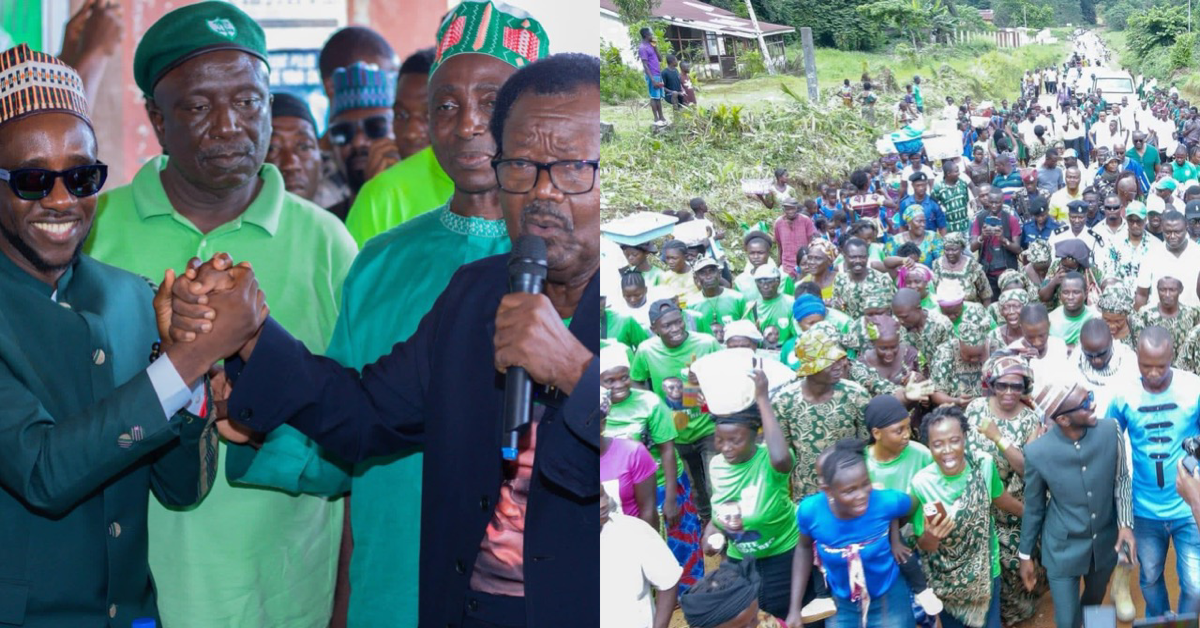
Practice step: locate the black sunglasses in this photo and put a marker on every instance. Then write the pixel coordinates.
(1086, 405)
(375, 127)
(1008, 387)
(34, 184)
(1112, 207)
(1096, 356)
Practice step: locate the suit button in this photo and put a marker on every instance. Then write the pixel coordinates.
(98, 357)
(1089, 493)
(485, 504)
(246, 413)
(1093, 515)
(1084, 469)
(112, 610)
(114, 529)
(458, 566)
(473, 605)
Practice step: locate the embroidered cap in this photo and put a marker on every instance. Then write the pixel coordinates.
(490, 28)
(35, 82)
(362, 86)
(190, 31)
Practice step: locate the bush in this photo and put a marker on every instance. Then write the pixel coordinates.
(1181, 51)
(1116, 16)
(618, 82)
(751, 64)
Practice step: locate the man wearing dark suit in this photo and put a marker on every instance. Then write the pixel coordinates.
(503, 544)
(1077, 501)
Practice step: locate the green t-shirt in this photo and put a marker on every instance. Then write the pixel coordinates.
(653, 361)
(929, 486)
(726, 307)
(644, 411)
(761, 493)
(1068, 328)
(774, 313)
(301, 255)
(745, 284)
(623, 329)
(402, 192)
(897, 474)
(1186, 172)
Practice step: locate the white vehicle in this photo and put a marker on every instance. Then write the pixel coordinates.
(1112, 83)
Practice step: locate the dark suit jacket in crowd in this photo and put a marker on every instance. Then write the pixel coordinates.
(1075, 495)
(440, 390)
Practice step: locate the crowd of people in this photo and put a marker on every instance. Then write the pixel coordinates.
(936, 392)
(114, 390)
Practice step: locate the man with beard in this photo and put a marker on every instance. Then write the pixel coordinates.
(1083, 518)
(90, 427)
(489, 525)
(360, 116)
(294, 148)
(203, 72)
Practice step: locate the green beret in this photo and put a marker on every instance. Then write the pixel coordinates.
(191, 31)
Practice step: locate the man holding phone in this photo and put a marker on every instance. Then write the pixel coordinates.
(996, 236)
(1078, 503)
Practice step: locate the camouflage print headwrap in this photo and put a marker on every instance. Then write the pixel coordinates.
(1117, 299)
(954, 238)
(1007, 362)
(1014, 294)
(975, 324)
(1038, 252)
(1011, 276)
(876, 295)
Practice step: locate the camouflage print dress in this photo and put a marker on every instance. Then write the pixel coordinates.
(1179, 326)
(809, 428)
(1016, 604)
(954, 377)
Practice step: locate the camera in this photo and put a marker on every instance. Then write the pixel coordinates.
(1191, 445)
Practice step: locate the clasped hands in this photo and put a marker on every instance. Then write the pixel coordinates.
(213, 311)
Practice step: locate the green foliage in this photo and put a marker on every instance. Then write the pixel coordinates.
(635, 10)
(839, 24)
(1116, 16)
(618, 82)
(1087, 11)
(1156, 27)
(911, 17)
(751, 64)
(1011, 13)
(1182, 50)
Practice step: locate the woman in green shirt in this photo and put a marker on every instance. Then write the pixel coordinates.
(751, 506)
(956, 535)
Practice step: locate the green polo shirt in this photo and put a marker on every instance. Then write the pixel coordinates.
(244, 556)
(407, 189)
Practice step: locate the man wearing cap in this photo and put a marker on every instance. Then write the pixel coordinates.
(360, 117)
(1180, 258)
(91, 426)
(293, 147)
(717, 306)
(463, 83)
(1123, 257)
(935, 218)
(203, 71)
(1191, 214)
(757, 246)
(668, 354)
(793, 230)
(1077, 500)
(1040, 225)
(742, 334)
(772, 312)
(1072, 191)
(1163, 196)
(1077, 229)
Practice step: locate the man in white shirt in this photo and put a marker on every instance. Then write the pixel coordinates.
(1048, 355)
(634, 558)
(1180, 258)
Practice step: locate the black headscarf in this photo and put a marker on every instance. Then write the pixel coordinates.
(721, 595)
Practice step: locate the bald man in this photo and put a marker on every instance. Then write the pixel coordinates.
(1158, 411)
(1104, 364)
(1048, 355)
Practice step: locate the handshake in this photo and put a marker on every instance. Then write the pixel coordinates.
(213, 311)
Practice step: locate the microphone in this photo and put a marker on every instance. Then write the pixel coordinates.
(526, 272)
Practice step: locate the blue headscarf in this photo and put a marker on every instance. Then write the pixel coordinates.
(807, 305)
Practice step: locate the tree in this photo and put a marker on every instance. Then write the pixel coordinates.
(839, 23)
(1087, 10)
(1116, 16)
(1023, 13)
(636, 10)
(911, 17)
(1153, 28)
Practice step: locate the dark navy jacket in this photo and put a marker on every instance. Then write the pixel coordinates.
(440, 390)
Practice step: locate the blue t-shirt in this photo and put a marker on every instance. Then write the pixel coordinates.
(819, 523)
(1157, 425)
(935, 218)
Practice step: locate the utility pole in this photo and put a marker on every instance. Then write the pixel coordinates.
(762, 44)
(1025, 18)
(810, 63)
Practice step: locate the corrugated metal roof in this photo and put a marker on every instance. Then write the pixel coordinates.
(705, 17)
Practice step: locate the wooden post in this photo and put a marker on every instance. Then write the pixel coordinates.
(762, 44)
(810, 62)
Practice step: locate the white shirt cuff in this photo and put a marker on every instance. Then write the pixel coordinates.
(173, 393)
(1024, 556)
